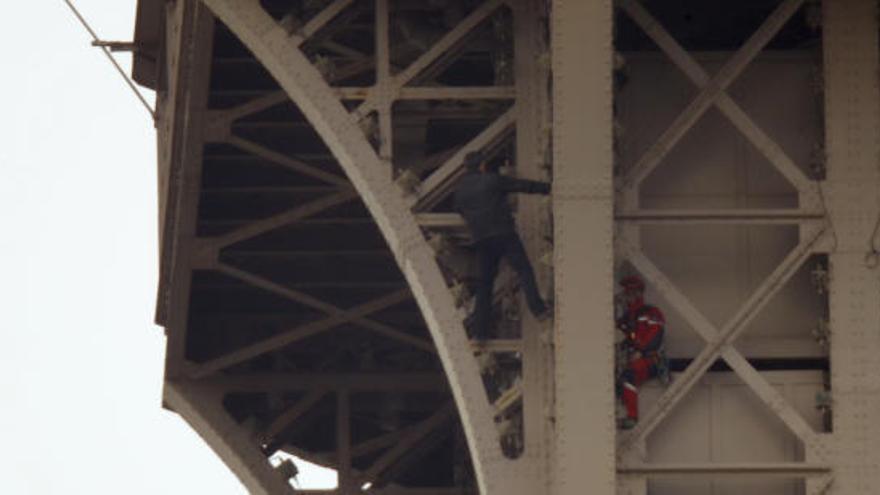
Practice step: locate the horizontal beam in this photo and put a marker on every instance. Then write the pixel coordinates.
(719, 216)
(712, 470)
(435, 93)
(652, 217)
(279, 382)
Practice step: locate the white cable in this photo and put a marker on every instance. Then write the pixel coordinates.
(113, 61)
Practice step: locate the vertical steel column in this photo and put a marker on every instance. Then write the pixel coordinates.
(582, 205)
(343, 442)
(852, 121)
(182, 118)
(531, 71)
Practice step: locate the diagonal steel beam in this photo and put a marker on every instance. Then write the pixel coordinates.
(224, 118)
(419, 432)
(380, 442)
(357, 315)
(284, 160)
(717, 342)
(436, 184)
(439, 48)
(294, 215)
(322, 19)
(764, 143)
(710, 93)
(293, 413)
(769, 395)
(305, 299)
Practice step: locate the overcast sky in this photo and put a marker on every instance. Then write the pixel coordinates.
(82, 363)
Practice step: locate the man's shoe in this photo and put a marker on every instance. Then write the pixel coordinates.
(627, 423)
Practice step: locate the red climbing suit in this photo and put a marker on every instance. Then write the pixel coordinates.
(644, 326)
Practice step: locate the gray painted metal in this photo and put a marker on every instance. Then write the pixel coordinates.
(567, 388)
(583, 261)
(852, 122)
(387, 203)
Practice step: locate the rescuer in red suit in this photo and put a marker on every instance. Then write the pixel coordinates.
(643, 326)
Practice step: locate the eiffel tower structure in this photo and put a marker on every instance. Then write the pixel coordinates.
(315, 280)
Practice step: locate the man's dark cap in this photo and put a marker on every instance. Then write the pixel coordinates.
(473, 160)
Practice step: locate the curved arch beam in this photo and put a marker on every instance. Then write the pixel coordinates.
(280, 55)
(202, 408)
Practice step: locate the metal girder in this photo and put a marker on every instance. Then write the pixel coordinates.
(322, 19)
(221, 120)
(394, 490)
(721, 216)
(293, 413)
(398, 81)
(669, 216)
(719, 343)
(347, 482)
(406, 442)
(381, 442)
(583, 451)
(285, 160)
(201, 407)
(508, 398)
(714, 470)
(334, 311)
(383, 82)
(282, 382)
(338, 316)
(852, 120)
(764, 143)
(182, 123)
(435, 93)
(214, 244)
(710, 93)
(271, 45)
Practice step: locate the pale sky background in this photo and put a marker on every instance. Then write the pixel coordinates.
(82, 362)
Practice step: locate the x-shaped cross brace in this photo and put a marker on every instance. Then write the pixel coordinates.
(713, 92)
(719, 344)
(336, 317)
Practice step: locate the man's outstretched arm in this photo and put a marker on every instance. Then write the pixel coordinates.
(511, 185)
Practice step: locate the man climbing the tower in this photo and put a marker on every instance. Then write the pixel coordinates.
(643, 357)
(481, 198)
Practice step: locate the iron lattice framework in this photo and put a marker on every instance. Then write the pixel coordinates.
(315, 281)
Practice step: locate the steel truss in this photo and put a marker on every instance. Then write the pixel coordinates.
(551, 394)
(390, 200)
(820, 464)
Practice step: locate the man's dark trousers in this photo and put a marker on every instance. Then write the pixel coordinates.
(489, 254)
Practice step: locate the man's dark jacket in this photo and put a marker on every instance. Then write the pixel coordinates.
(481, 200)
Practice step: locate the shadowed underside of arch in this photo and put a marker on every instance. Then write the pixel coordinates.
(279, 53)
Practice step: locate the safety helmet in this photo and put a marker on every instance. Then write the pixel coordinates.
(632, 283)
